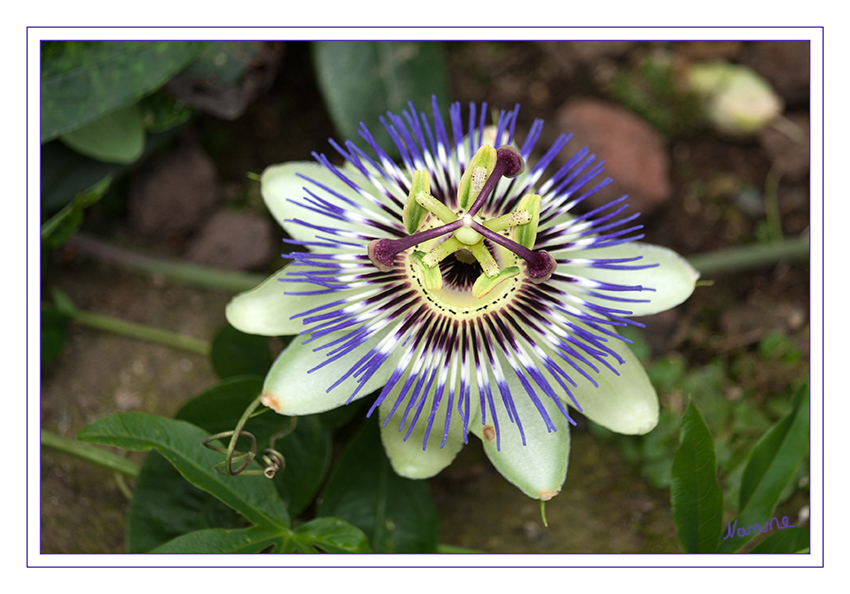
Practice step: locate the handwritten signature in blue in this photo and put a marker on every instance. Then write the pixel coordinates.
(756, 528)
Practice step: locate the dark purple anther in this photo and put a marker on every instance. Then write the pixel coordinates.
(509, 163)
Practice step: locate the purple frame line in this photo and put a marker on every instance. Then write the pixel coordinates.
(823, 307)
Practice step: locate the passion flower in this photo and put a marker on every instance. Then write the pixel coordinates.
(462, 292)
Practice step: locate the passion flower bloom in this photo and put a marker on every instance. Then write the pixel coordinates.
(461, 290)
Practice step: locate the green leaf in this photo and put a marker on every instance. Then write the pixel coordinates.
(54, 326)
(82, 81)
(65, 223)
(224, 62)
(789, 540)
(66, 173)
(236, 353)
(219, 540)
(306, 449)
(161, 112)
(165, 506)
(772, 466)
(181, 444)
(695, 494)
(397, 514)
(361, 80)
(330, 535)
(117, 137)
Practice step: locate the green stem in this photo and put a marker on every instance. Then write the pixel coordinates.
(751, 256)
(193, 274)
(142, 332)
(771, 204)
(90, 453)
(452, 550)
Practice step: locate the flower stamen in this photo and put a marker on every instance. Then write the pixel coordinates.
(478, 181)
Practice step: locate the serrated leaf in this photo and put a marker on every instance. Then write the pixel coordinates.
(182, 444)
(82, 81)
(361, 80)
(330, 535)
(397, 514)
(696, 496)
(772, 466)
(117, 137)
(221, 540)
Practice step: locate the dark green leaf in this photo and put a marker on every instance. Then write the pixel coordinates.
(65, 223)
(117, 137)
(53, 331)
(181, 444)
(397, 514)
(330, 535)
(361, 80)
(82, 81)
(695, 494)
(218, 540)
(789, 540)
(161, 112)
(165, 506)
(306, 449)
(780, 451)
(772, 466)
(66, 173)
(224, 62)
(236, 353)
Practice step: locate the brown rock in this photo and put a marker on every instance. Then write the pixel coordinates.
(634, 152)
(233, 240)
(174, 193)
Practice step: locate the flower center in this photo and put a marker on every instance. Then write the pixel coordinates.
(463, 234)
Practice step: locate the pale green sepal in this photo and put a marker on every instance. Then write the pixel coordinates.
(407, 457)
(267, 310)
(279, 184)
(414, 213)
(479, 169)
(625, 403)
(538, 468)
(290, 390)
(673, 279)
(526, 234)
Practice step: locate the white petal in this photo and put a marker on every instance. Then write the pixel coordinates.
(624, 403)
(538, 468)
(407, 456)
(290, 388)
(673, 280)
(281, 185)
(267, 309)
